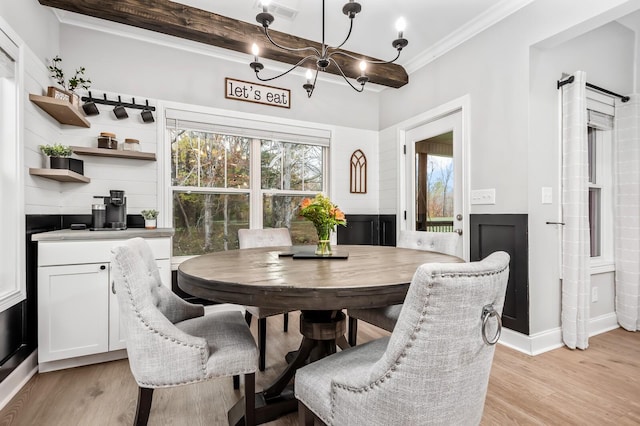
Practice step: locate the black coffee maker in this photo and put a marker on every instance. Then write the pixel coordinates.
(115, 216)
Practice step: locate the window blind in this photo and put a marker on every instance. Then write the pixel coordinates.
(600, 110)
(249, 128)
(599, 120)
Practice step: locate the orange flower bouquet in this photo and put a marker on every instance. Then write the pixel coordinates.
(325, 216)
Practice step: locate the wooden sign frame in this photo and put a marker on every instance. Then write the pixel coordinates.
(247, 91)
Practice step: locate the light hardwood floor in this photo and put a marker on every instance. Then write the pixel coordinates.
(599, 386)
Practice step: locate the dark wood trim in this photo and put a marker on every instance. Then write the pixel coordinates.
(506, 232)
(190, 23)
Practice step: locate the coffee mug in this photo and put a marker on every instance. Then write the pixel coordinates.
(90, 108)
(120, 112)
(147, 116)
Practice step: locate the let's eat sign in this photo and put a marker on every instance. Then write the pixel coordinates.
(257, 93)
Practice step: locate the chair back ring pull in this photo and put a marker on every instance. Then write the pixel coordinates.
(487, 312)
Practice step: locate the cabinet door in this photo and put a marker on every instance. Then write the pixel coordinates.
(73, 310)
(117, 332)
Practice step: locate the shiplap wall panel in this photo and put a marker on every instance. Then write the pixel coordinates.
(388, 171)
(42, 196)
(136, 177)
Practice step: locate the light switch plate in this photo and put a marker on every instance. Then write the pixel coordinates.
(547, 195)
(483, 196)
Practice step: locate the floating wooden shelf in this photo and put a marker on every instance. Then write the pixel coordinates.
(103, 152)
(62, 175)
(61, 110)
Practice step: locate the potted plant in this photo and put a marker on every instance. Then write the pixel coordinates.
(150, 218)
(68, 94)
(59, 158)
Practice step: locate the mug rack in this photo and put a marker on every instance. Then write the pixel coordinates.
(105, 101)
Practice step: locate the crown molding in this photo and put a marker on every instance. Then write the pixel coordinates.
(472, 28)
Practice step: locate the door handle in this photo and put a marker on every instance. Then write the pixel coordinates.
(113, 287)
(458, 231)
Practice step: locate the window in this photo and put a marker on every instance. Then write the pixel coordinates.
(12, 285)
(225, 178)
(599, 143)
(434, 183)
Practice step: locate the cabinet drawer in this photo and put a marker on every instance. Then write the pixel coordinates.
(76, 252)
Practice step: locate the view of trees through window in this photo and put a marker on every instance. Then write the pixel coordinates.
(434, 193)
(211, 177)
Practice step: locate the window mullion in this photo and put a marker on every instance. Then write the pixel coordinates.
(255, 206)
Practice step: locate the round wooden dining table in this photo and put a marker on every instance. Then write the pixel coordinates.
(292, 278)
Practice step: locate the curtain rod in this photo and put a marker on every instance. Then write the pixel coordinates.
(593, 86)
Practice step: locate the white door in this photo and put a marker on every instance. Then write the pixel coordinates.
(435, 178)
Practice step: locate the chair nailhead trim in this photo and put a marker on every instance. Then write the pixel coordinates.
(188, 382)
(203, 355)
(423, 317)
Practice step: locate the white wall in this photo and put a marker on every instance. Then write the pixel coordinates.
(607, 55)
(138, 178)
(35, 25)
(162, 68)
(389, 173)
(345, 141)
(493, 69)
(507, 116)
(498, 69)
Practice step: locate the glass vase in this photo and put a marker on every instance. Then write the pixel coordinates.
(324, 240)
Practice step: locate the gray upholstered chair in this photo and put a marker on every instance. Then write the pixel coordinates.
(171, 342)
(432, 370)
(267, 237)
(386, 317)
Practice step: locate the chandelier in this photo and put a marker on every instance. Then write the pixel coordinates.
(324, 57)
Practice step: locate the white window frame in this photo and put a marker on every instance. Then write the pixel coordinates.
(255, 128)
(604, 181)
(12, 243)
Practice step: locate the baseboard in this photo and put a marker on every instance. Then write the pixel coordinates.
(80, 361)
(603, 323)
(19, 377)
(534, 344)
(548, 340)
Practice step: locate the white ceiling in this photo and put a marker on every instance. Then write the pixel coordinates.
(433, 26)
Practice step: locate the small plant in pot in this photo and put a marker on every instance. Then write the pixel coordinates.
(150, 218)
(77, 81)
(59, 158)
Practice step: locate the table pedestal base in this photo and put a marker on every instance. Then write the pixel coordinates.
(321, 331)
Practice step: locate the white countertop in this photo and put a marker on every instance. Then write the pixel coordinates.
(87, 235)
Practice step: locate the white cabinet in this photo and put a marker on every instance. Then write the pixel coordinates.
(73, 318)
(78, 314)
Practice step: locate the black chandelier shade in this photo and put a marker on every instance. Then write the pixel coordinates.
(324, 58)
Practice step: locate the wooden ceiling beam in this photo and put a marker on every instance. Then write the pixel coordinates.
(194, 24)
